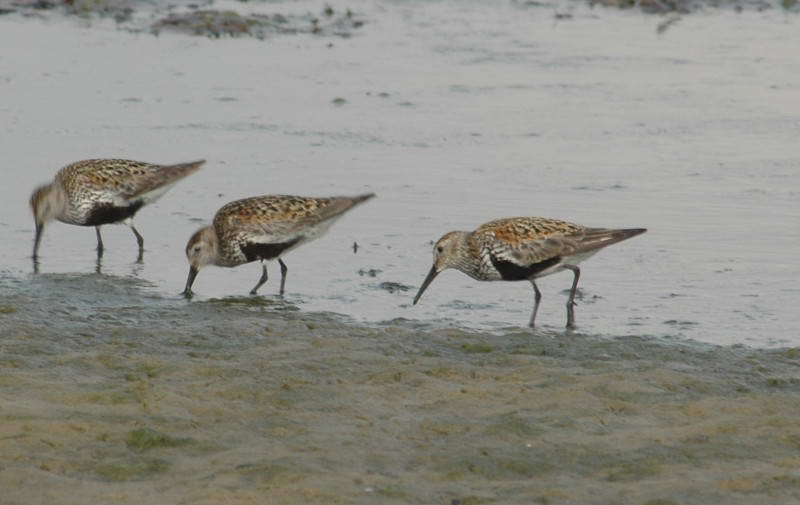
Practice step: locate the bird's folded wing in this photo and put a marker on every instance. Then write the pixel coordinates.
(328, 208)
(279, 217)
(121, 181)
(596, 238)
(529, 252)
(256, 230)
(148, 181)
(534, 249)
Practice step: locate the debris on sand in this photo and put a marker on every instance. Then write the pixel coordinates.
(119, 10)
(670, 6)
(191, 19)
(216, 23)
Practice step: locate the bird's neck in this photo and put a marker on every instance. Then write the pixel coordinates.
(210, 238)
(466, 257)
(57, 203)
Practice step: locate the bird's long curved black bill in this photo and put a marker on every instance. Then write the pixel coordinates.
(431, 275)
(37, 239)
(189, 281)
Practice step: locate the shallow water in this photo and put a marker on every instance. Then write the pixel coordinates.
(454, 114)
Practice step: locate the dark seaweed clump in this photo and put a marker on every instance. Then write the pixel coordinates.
(685, 6)
(215, 23)
(120, 10)
(675, 6)
(204, 22)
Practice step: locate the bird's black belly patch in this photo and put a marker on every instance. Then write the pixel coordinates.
(513, 272)
(107, 213)
(255, 251)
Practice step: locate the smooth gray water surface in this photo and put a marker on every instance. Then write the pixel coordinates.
(454, 114)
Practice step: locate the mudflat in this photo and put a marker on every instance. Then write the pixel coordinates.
(248, 400)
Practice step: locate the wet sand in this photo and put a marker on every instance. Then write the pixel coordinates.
(250, 400)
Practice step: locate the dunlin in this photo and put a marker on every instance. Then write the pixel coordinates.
(523, 249)
(103, 191)
(263, 228)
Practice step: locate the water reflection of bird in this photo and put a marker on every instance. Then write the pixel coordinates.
(522, 248)
(103, 191)
(263, 228)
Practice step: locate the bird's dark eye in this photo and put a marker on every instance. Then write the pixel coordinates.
(440, 249)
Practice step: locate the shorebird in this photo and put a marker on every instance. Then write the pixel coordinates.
(263, 228)
(522, 249)
(103, 191)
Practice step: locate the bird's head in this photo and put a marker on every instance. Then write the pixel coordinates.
(45, 202)
(201, 250)
(447, 253)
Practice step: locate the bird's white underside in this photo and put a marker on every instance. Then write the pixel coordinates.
(567, 260)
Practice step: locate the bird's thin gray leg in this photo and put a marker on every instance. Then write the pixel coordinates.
(262, 280)
(139, 238)
(99, 242)
(284, 269)
(537, 297)
(571, 299)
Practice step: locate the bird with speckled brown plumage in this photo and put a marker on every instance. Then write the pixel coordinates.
(523, 249)
(263, 228)
(103, 191)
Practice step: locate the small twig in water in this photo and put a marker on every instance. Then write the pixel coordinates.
(667, 24)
